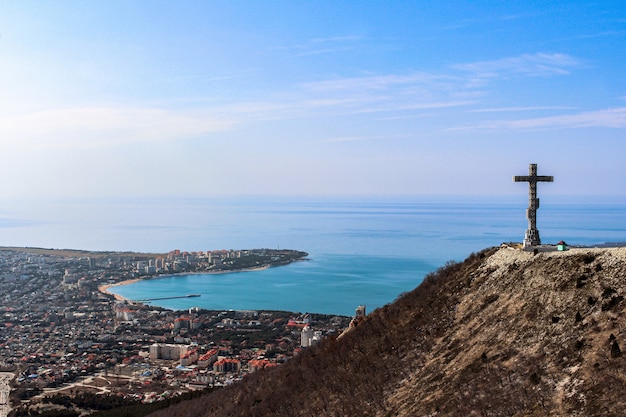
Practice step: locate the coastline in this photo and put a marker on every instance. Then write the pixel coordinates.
(105, 288)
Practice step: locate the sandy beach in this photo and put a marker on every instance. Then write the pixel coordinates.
(105, 288)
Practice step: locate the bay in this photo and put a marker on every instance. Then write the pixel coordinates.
(329, 284)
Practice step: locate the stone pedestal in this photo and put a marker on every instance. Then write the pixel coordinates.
(531, 238)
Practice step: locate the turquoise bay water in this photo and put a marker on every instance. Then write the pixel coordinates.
(332, 284)
(361, 251)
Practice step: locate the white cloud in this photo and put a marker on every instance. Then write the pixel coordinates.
(408, 106)
(387, 93)
(535, 65)
(607, 118)
(616, 33)
(427, 90)
(110, 125)
(363, 138)
(105, 126)
(384, 82)
(519, 109)
(611, 118)
(318, 46)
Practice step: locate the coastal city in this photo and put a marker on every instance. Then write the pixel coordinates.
(64, 336)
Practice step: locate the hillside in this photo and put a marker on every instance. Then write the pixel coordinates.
(503, 333)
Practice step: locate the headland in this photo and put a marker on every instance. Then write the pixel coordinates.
(130, 267)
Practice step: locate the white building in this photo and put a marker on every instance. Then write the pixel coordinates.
(306, 337)
(167, 351)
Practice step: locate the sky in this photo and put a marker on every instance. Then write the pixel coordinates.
(204, 98)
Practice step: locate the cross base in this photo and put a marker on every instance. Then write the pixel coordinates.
(531, 238)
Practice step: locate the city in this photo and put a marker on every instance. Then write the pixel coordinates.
(62, 335)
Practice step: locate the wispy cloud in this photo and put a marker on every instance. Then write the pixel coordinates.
(457, 85)
(399, 95)
(481, 21)
(391, 92)
(321, 51)
(333, 39)
(363, 138)
(607, 33)
(534, 65)
(383, 82)
(105, 126)
(318, 46)
(611, 118)
(606, 118)
(520, 109)
(517, 16)
(425, 105)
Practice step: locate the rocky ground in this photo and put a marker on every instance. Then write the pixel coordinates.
(538, 334)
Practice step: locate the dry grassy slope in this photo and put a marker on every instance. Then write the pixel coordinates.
(504, 333)
(534, 335)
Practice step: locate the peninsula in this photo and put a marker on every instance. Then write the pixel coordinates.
(121, 268)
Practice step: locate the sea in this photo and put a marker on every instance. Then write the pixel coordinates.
(362, 250)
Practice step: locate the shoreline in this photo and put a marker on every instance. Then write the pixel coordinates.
(105, 288)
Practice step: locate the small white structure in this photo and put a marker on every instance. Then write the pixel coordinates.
(306, 337)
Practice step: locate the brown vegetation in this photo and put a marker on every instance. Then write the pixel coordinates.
(503, 333)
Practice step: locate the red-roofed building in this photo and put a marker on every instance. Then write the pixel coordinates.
(293, 323)
(208, 358)
(183, 323)
(227, 365)
(189, 358)
(256, 364)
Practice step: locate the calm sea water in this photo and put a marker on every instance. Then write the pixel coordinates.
(362, 251)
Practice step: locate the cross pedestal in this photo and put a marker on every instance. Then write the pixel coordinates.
(531, 237)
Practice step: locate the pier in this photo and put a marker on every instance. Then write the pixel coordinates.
(168, 298)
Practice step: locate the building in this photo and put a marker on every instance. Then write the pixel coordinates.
(167, 351)
(227, 365)
(308, 337)
(189, 358)
(124, 314)
(208, 359)
(183, 323)
(256, 364)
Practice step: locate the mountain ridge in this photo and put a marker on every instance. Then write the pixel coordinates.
(506, 332)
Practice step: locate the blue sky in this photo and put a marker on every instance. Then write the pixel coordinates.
(150, 98)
